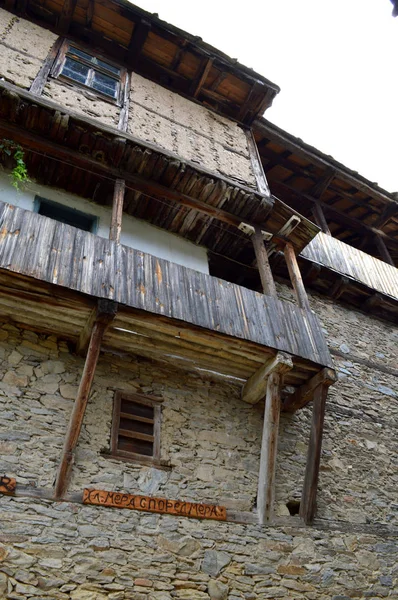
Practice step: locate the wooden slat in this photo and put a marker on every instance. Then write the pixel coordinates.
(136, 435)
(58, 253)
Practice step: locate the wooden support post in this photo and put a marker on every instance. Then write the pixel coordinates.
(319, 219)
(382, 248)
(308, 498)
(269, 446)
(117, 210)
(295, 277)
(263, 265)
(106, 313)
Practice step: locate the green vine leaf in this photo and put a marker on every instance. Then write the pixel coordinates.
(19, 174)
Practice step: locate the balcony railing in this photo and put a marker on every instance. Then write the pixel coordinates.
(49, 251)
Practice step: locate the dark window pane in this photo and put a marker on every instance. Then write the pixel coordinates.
(136, 446)
(108, 67)
(131, 425)
(134, 408)
(104, 84)
(67, 215)
(76, 52)
(75, 70)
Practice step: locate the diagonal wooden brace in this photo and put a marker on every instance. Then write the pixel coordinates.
(304, 394)
(255, 387)
(106, 311)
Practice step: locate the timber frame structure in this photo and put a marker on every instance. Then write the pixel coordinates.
(99, 294)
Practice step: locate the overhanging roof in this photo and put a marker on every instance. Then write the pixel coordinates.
(161, 52)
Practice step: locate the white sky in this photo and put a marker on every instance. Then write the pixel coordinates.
(335, 62)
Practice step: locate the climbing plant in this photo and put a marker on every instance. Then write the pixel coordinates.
(19, 173)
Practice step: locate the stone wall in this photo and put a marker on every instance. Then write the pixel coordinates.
(212, 441)
(24, 46)
(189, 130)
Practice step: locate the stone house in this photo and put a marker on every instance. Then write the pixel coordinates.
(198, 372)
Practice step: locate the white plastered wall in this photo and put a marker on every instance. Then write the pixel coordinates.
(135, 233)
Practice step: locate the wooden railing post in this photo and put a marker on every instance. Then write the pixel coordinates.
(263, 265)
(106, 313)
(308, 498)
(295, 277)
(117, 210)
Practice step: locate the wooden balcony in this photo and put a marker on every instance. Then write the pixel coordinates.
(166, 311)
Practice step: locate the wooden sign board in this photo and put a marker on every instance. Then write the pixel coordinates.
(157, 505)
(7, 485)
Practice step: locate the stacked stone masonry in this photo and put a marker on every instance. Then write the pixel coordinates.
(212, 443)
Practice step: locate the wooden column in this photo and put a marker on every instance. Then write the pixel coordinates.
(319, 218)
(308, 498)
(382, 248)
(263, 265)
(295, 277)
(269, 446)
(106, 313)
(117, 210)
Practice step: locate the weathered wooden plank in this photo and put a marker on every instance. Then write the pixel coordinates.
(117, 210)
(255, 387)
(178, 508)
(269, 448)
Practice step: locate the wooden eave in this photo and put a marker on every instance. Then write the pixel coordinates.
(84, 157)
(357, 211)
(159, 51)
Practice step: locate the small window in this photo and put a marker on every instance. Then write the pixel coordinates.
(88, 70)
(65, 214)
(136, 427)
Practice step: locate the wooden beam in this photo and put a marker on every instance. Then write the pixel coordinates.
(255, 387)
(263, 265)
(312, 273)
(137, 41)
(382, 248)
(66, 16)
(344, 219)
(201, 77)
(390, 210)
(257, 166)
(105, 314)
(339, 287)
(310, 487)
(319, 219)
(269, 448)
(117, 210)
(30, 140)
(320, 187)
(303, 395)
(40, 80)
(295, 277)
(85, 334)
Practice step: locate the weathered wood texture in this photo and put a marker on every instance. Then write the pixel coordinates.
(303, 395)
(310, 487)
(269, 448)
(255, 387)
(359, 266)
(117, 210)
(7, 485)
(178, 508)
(295, 277)
(267, 280)
(50, 251)
(106, 312)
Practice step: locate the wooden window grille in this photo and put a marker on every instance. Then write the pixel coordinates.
(90, 71)
(136, 427)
